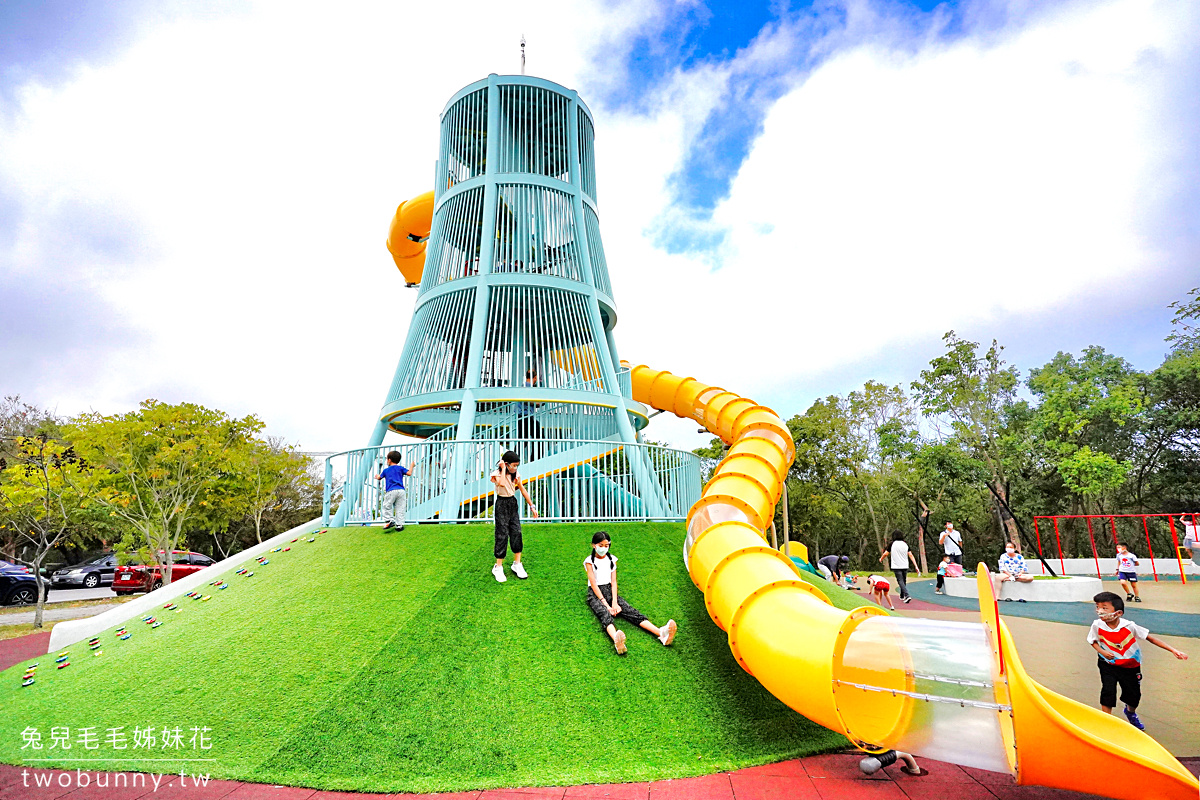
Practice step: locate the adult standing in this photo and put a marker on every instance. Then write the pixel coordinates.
(900, 556)
(951, 543)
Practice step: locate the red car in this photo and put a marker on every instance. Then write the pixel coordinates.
(146, 578)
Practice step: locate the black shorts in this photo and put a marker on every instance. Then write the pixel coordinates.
(1128, 678)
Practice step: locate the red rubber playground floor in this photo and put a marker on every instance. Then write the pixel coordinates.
(827, 777)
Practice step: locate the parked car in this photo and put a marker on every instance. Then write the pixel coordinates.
(18, 587)
(17, 567)
(97, 571)
(148, 577)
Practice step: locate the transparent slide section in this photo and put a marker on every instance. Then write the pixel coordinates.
(941, 703)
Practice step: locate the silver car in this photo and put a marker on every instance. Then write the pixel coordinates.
(90, 574)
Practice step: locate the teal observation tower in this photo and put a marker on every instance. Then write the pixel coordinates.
(511, 343)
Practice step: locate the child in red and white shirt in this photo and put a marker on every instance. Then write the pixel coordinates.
(880, 590)
(1120, 663)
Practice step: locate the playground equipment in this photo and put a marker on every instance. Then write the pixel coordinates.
(1110, 521)
(947, 690)
(511, 342)
(512, 277)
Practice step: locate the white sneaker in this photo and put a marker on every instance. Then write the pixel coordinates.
(619, 643)
(666, 634)
(519, 570)
(498, 574)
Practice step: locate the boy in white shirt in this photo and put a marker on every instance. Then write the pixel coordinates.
(1127, 564)
(1115, 640)
(1191, 535)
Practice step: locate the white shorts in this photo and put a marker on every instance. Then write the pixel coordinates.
(825, 571)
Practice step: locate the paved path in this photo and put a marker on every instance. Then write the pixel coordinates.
(68, 595)
(51, 614)
(22, 648)
(828, 777)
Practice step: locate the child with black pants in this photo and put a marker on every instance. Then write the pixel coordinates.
(1120, 663)
(941, 573)
(507, 516)
(605, 603)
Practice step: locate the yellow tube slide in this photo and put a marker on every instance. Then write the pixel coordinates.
(948, 690)
(407, 236)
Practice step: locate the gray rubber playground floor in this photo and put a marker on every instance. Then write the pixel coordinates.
(1172, 617)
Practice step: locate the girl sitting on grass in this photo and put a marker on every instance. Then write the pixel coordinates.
(605, 603)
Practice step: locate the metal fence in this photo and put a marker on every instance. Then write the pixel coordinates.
(568, 480)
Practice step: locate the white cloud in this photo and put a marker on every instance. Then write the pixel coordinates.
(258, 158)
(903, 189)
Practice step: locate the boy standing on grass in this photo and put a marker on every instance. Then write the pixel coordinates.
(395, 499)
(1120, 663)
(508, 516)
(1127, 564)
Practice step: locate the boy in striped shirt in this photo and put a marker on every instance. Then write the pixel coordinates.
(1120, 663)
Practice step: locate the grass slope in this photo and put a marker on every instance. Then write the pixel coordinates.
(394, 662)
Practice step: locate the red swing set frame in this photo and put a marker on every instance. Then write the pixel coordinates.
(1112, 519)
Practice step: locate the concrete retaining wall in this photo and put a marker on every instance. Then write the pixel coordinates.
(1063, 590)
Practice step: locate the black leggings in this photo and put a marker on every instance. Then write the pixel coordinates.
(901, 581)
(508, 526)
(602, 612)
(941, 584)
(1129, 679)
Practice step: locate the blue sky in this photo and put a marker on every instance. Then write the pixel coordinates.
(192, 199)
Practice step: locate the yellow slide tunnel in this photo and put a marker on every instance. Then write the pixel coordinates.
(408, 234)
(953, 691)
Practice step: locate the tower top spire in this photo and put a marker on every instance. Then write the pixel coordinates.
(522, 54)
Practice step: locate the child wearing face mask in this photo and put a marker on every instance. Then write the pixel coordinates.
(605, 603)
(1127, 564)
(1115, 640)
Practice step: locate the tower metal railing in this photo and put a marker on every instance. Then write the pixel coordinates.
(568, 479)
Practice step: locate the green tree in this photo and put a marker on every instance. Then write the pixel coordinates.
(45, 488)
(1085, 421)
(972, 394)
(281, 492)
(1185, 333)
(167, 467)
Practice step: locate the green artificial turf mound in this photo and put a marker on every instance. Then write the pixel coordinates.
(378, 661)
